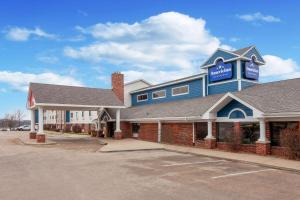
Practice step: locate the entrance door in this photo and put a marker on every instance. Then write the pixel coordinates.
(111, 126)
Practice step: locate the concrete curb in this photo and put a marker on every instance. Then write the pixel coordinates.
(128, 150)
(237, 160)
(34, 143)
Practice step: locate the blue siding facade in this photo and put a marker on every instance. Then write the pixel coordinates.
(224, 112)
(246, 84)
(195, 90)
(219, 53)
(223, 88)
(255, 52)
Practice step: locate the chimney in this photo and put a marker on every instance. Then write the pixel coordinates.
(117, 83)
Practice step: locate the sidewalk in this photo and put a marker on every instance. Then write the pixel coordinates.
(134, 145)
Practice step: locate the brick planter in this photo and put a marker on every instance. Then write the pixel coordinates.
(118, 135)
(32, 135)
(40, 138)
(210, 143)
(263, 148)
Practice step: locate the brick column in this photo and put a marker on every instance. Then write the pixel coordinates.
(32, 134)
(263, 146)
(237, 132)
(118, 133)
(41, 136)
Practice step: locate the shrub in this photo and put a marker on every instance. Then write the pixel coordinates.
(76, 129)
(290, 139)
(67, 129)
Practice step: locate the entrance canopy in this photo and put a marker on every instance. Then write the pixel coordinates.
(70, 97)
(59, 97)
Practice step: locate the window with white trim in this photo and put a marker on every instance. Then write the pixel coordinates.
(142, 97)
(159, 94)
(181, 90)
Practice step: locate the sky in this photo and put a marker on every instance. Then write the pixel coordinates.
(82, 42)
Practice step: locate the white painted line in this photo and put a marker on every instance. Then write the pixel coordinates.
(193, 163)
(242, 173)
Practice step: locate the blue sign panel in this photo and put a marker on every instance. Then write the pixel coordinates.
(251, 70)
(220, 72)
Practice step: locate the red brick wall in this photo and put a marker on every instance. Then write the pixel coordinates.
(279, 151)
(247, 148)
(148, 132)
(117, 81)
(126, 129)
(214, 129)
(200, 143)
(268, 132)
(177, 133)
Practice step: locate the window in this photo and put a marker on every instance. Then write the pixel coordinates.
(142, 97)
(250, 132)
(200, 130)
(135, 128)
(180, 90)
(225, 131)
(236, 114)
(277, 127)
(159, 94)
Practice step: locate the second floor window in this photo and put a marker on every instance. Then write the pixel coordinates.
(181, 90)
(159, 94)
(142, 97)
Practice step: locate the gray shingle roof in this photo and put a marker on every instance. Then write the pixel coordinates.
(274, 97)
(242, 51)
(61, 94)
(182, 108)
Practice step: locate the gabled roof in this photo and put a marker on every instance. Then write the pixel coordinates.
(243, 50)
(138, 80)
(73, 95)
(227, 55)
(175, 109)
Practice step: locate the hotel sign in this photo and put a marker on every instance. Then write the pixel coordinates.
(251, 70)
(220, 72)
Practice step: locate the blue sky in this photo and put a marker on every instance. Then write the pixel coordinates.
(83, 42)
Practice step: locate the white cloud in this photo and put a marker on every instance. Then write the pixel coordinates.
(166, 42)
(47, 59)
(20, 80)
(24, 34)
(258, 17)
(279, 68)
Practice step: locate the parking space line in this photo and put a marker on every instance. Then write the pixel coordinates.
(241, 173)
(193, 163)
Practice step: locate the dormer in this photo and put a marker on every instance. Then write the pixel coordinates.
(230, 71)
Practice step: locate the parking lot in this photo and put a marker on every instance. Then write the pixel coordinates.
(59, 172)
